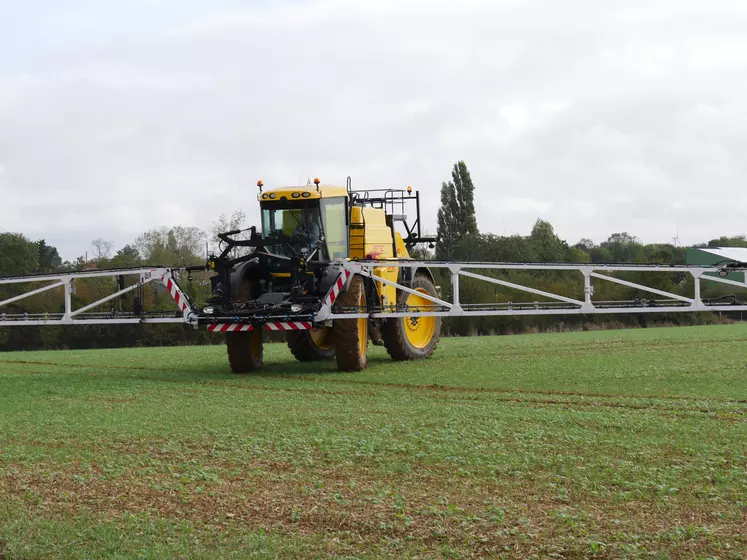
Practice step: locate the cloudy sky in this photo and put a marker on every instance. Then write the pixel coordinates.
(597, 115)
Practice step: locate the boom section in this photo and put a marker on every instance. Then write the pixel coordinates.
(95, 312)
(548, 302)
(500, 277)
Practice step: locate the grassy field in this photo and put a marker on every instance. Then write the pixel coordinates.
(618, 444)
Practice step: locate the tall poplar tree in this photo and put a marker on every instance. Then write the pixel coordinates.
(456, 217)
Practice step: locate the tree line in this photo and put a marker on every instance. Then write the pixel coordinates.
(460, 239)
(175, 246)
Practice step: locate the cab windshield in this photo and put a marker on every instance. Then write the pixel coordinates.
(299, 225)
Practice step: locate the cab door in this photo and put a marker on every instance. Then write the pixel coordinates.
(334, 221)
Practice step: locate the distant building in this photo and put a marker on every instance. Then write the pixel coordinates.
(717, 255)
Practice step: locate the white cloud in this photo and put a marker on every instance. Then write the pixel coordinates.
(598, 117)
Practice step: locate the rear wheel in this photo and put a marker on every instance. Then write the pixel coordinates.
(351, 335)
(311, 345)
(412, 338)
(245, 348)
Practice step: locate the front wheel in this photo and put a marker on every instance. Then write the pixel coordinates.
(413, 337)
(351, 335)
(245, 350)
(245, 347)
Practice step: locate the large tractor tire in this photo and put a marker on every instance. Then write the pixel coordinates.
(351, 335)
(312, 345)
(413, 338)
(245, 348)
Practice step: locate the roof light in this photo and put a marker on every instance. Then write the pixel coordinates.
(409, 189)
(306, 194)
(316, 181)
(260, 184)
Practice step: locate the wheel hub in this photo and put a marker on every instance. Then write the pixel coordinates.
(419, 330)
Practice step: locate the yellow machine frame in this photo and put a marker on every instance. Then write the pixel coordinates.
(369, 234)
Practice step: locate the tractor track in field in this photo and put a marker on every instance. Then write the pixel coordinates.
(583, 348)
(447, 393)
(554, 348)
(735, 417)
(481, 390)
(438, 391)
(470, 396)
(56, 364)
(243, 387)
(411, 386)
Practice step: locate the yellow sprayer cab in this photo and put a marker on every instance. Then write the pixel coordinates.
(306, 229)
(353, 224)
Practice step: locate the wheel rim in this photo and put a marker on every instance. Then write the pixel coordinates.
(362, 325)
(322, 338)
(419, 330)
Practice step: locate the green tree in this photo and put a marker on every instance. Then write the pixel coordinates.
(128, 256)
(585, 244)
(177, 246)
(18, 255)
(578, 255)
(548, 247)
(49, 258)
(723, 241)
(624, 248)
(456, 217)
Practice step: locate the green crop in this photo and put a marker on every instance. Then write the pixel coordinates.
(617, 444)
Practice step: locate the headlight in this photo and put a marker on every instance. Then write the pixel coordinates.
(295, 308)
(273, 195)
(208, 310)
(296, 195)
(306, 194)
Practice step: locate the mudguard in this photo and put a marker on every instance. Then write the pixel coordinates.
(407, 274)
(250, 270)
(329, 277)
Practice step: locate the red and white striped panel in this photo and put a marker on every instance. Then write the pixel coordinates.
(289, 326)
(181, 300)
(274, 326)
(233, 327)
(337, 287)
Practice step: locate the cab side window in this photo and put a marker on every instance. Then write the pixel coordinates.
(335, 228)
